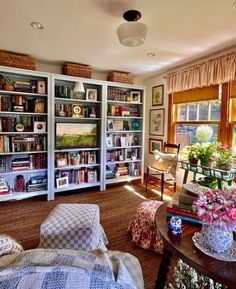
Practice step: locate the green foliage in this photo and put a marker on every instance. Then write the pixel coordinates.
(209, 182)
(67, 141)
(9, 81)
(187, 278)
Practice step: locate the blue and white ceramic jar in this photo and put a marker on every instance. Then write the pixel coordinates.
(217, 238)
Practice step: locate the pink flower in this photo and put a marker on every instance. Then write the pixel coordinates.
(217, 207)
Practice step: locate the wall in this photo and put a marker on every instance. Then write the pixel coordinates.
(149, 83)
(53, 68)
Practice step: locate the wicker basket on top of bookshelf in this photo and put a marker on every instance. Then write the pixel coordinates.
(17, 60)
(75, 69)
(123, 77)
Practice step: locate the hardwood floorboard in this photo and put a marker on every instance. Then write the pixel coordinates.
(22, 219)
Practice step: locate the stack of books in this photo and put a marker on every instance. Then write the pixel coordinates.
(4, 187)
(20, 164)
(23, 86)
(121, 170)
(181, 204)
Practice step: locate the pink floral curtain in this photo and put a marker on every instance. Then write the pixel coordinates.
(214, 71)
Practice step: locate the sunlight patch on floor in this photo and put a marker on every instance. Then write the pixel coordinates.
(131, 189)
(165, 197)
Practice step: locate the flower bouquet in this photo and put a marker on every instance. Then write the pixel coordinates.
(217, 210)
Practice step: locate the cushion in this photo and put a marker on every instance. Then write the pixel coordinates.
(9, 245)
(166, 162)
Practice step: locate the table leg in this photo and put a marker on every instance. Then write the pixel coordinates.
(219, 184)
(185, 177)
(163, 269)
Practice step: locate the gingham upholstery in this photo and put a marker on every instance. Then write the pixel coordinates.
(143, 229)
(73, 226)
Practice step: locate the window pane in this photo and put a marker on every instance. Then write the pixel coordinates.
(203, 111)
(182, 112)
(215, 111)
(186, 134)
(192, 112)
(234, 138)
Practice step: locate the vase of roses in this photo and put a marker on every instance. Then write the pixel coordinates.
(217, 210)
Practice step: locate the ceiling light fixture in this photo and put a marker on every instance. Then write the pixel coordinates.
(151, 54)
(132, 33)
(36, 25)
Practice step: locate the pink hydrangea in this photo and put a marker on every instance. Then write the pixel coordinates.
(217, 207)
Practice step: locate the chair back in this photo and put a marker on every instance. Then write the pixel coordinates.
(175, 148)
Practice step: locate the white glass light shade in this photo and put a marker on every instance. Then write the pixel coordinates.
(132, 33)
(79, 87)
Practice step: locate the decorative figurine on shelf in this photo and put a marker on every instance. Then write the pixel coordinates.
(175, 225)
(20, 183)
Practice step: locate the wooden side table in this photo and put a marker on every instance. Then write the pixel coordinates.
(183, 247)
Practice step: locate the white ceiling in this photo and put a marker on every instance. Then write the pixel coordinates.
(84, 31)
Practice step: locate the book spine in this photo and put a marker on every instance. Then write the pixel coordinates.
(182, 212)
(187, 219)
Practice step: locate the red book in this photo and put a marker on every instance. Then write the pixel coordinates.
(182, 212)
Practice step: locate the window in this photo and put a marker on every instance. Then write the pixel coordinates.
(193, 114)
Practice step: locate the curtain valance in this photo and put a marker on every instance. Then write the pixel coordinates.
(214, 71)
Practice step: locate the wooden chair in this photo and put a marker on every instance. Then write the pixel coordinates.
(164, 170)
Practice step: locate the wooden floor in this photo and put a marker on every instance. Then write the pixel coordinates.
(22, 219)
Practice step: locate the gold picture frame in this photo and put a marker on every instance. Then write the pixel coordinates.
(157, 95)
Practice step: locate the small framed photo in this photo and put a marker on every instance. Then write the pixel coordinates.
(123, 141)
(41, 87)
(156, 122)
(109, 143)
(39, 107)
(61, 162)
(91, 94)
(91, 158)
(135, 96)
(110, 124)
(157, 95)
(155, 144)
(39, 126)
(62, 182)
(92, 176)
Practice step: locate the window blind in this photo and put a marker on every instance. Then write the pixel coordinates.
(198, 94)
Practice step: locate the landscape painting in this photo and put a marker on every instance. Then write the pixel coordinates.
(73, 135)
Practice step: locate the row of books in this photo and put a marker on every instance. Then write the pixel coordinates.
(76, 158)
(118, 94)
(181, 206)
(121, 170)
(18, 103)
(122, 155)
(121, 125)
(76, 176)
(122, 140)
(75, 110)
(35, 161)
(117, 110)
(22, 144)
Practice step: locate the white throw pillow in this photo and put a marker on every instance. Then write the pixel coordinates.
(166, 162)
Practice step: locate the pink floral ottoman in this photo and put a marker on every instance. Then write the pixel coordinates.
(143, 228)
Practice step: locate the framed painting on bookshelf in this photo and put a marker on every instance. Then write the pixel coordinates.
(135, 96)
(157, 95)
(39, 107)
(91, 158)
(41, 87)
(110, 124)
(91, 94)
(157, 122)
(62, 182)
(61, 162)
(92, 176)
(155, 144)
(109, 143)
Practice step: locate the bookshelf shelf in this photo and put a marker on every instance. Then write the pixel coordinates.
(77, 186)
(23, 133)
(123, 131)
(22, 195)
(22, 113)
(23, 153)
(123, 179)
(24, 172)
(77, 167)
(76, 100)
(22, 93)
(123, 162)
(125, 147)
(76, 149)
(124, 117)
(124, 102)
(77, 119)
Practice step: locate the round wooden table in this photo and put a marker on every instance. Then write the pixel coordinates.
(183, 247)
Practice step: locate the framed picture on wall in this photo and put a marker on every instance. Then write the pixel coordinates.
(157, 95)
(155, 144)
(157, 122)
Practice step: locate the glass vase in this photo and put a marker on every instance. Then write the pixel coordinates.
(217, 238)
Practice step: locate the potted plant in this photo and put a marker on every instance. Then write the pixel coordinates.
(8, 85)
(190, 153)
(205, 153)
(224, 158)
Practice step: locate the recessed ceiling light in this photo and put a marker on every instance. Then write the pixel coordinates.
(36, 25)
(234, 4)
(151, 54)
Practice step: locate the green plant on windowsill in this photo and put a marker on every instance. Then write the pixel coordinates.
(224, 157)
(190, 153)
